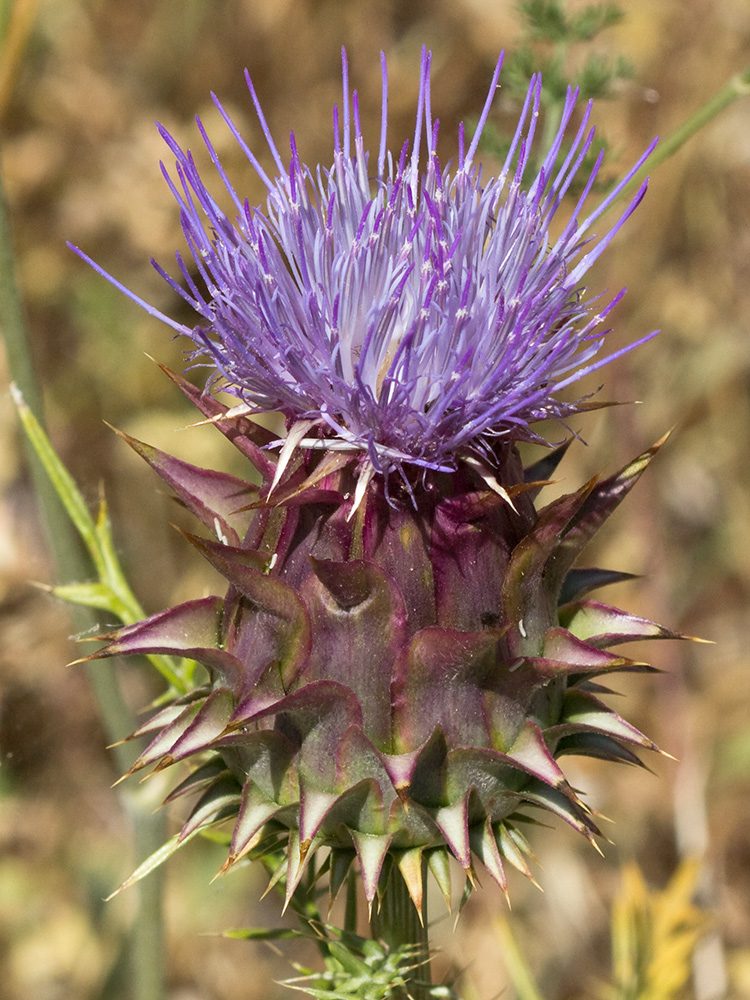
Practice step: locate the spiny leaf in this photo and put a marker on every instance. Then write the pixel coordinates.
(64, 484)
(112, 592)
(91, 595)
(602, 499)
(580, 581)
(602, 625)
(157, 858)
(264, 934)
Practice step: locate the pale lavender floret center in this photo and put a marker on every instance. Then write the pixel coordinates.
(413, 313)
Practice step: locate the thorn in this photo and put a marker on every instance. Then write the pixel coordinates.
(146, 776)
(267, 890)
(249, 846)
(276, 877)
(241, 410)
(290, 445)
(410, 866)
(365, 475)
(119, 743)
(664, 437)
(596, 847)
(103, 637)
(403, 793)
(223, 870)
(82, 659)
(304, 847)
(486, 475)
(570, 792)
(536, 484)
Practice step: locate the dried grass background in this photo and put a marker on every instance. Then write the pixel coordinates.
(81, 83)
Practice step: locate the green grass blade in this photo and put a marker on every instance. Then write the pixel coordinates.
(112, 592)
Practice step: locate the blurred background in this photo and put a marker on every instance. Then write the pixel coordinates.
(81, 84)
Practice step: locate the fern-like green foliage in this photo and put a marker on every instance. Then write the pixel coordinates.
(548, 20)
(361, 968)
(354, 966)
(551, 42)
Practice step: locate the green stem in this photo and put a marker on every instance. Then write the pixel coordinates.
(72, 564)
(148, 938)
(519, 972)
(350, 911)
(738, 86)
(397, 923)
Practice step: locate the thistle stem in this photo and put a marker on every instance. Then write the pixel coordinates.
(397, 923)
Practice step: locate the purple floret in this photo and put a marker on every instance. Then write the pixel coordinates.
(412, 315)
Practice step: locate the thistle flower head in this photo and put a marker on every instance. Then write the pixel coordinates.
(396, 687)
(399, 309)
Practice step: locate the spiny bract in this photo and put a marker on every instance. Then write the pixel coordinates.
(407, 647)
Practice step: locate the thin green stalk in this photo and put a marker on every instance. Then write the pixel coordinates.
(147, 965)
(111, 591)
(350, 911)
(519, 972)
(72, 564)
(738, 86)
